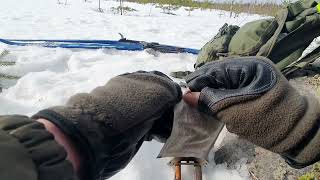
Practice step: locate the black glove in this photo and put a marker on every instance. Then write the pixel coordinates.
(231, 80)
(110, 124)
(257, 103)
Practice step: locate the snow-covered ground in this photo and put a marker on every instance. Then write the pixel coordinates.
(50, 76)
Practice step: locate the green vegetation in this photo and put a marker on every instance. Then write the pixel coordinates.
(122, 9)
(7, 76)
(167, 9)
(313, 175)
(7, 63)
(269, 8)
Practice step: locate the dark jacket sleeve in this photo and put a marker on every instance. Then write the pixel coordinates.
(28, 151)
(110, 124)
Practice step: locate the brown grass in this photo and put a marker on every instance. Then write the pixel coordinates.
(262, 9)
(268, 9)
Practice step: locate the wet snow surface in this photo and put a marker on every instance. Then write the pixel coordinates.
(50, 76)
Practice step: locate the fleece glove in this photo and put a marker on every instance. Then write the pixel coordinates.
(257, 103)
(110, 124)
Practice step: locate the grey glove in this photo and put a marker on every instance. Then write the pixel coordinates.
(110, 124)
(257, 103)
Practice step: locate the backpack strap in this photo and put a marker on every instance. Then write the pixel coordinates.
(302, 30)
(266, 49)
(299, 6)
(302, 63)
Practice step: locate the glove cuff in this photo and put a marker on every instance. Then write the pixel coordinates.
(306, 151)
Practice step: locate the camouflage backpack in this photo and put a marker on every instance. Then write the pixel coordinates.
(283, 39)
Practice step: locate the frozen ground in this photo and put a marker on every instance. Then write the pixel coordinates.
(50, 76)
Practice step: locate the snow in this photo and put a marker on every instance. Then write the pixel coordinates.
(50, 76)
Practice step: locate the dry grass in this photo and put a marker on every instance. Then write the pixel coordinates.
(262, 9)
(268, 9)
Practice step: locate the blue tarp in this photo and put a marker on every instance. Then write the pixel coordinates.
(122, 44)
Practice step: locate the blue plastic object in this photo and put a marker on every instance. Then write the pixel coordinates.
(122, 44)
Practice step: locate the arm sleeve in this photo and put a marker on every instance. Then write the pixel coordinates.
(258, 103)
(109, 124)
(28, 151)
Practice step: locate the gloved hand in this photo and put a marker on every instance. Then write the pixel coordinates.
(28, 151)
(110, 124)
(231, 80)
(257, 103)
